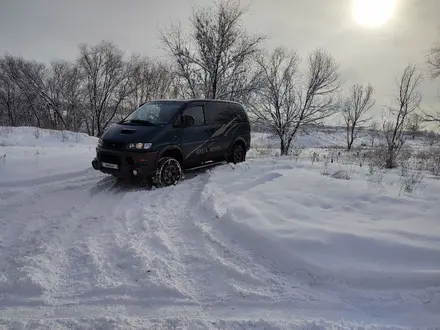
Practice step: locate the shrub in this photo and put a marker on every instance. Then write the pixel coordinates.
(325, 169)
(412, 182)
(429, 160)
(341, 175)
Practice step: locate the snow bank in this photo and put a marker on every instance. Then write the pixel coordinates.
(30, 154)
(328, 241)
(37, 137)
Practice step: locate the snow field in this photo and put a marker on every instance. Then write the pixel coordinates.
(267, 244)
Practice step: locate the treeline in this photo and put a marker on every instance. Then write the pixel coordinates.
(84, 95)
(217, 59)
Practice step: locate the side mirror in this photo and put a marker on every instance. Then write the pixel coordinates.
(188, 121)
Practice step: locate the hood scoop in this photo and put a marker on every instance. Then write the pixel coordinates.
(128, 131)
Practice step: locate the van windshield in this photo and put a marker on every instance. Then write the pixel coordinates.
(153, 113)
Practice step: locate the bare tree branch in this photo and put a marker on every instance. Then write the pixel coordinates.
(434, 69)
(374, 132)
(214, 60)
(434, 61)
(355, 108)
(414, 124)
(104, 76)
(407, 101)
(283, 105)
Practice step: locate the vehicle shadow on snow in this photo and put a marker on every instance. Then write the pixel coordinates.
(114, 185)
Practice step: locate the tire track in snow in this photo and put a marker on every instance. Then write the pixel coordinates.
(37, 230)
(46, 179)
(166, 219)
(217, 273)
(118, 250)
(40, 228)
(79, 247)
(143, 255)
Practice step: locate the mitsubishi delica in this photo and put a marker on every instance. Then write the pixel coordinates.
(162, 138)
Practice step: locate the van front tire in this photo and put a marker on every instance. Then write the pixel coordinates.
(237, 154)
(168, 173)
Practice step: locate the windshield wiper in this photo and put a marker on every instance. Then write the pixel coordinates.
(139, 121)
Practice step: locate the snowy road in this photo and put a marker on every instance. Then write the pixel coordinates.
(263, 245)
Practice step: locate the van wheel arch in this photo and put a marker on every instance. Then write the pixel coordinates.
(171, 151)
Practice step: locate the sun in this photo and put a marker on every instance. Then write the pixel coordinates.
(373, 13)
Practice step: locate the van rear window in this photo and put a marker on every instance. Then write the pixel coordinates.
(222, 113)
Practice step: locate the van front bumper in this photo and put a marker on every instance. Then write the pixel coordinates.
(128, 163)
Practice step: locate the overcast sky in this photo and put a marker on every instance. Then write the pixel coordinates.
(48, 29)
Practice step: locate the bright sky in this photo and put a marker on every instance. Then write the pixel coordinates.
(373, 40)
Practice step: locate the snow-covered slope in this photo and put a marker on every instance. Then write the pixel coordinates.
(268, 244)
(29, 154)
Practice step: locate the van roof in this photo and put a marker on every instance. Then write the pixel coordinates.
(193, 100)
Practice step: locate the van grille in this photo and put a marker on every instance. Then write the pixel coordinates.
(108, 158)
(113, 145)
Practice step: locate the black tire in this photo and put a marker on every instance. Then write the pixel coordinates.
(168, 172)
(237, 154)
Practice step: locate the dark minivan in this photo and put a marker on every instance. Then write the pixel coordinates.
(162, 138)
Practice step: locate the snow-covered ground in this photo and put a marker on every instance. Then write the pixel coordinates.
(334, 137)
(268, 244)
(30, 155)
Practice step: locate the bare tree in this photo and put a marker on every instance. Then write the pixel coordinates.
(318, 99)
(275, 109)
(37, 78)
(355, 108)
(285, 103)
(431, 116)
(434, 61)
(105, 84)
(73, 97)
(434, 69)
(83, 96)
(63, 88)
(407, 101)
(12, 100)
(149, 80)
(414, 124)
(12, 69)
(374, 132)
(214, 61)
(50, 94)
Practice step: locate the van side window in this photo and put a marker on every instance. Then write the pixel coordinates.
(197, 113)
(219, 113)
(239, 112)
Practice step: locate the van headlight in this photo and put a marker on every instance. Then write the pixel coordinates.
(140, 146)
(100, 143)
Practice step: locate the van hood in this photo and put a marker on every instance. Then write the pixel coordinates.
(131, 133)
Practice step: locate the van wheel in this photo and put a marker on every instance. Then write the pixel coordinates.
(237, 155)
(168, 173)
